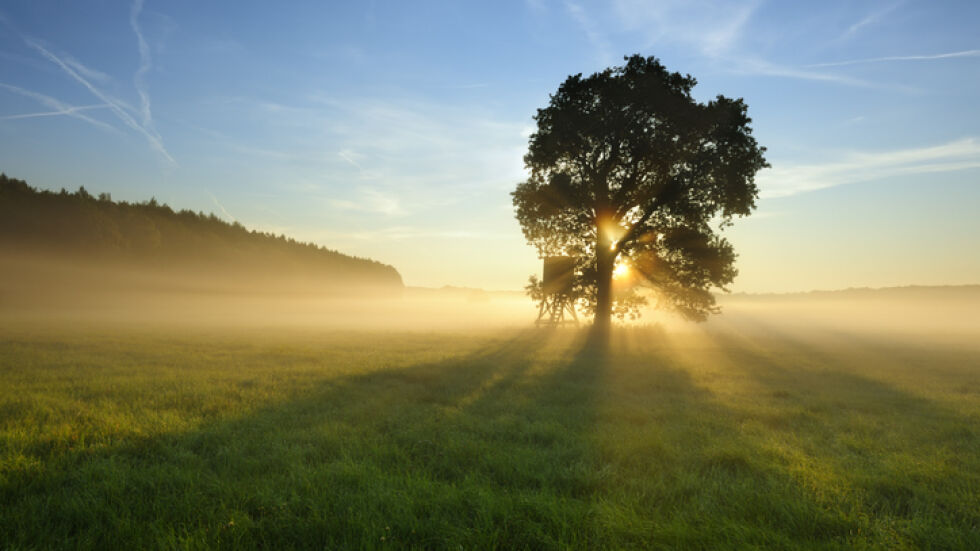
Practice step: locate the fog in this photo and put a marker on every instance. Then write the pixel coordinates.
(41, 290)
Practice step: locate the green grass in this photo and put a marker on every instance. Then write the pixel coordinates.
(734, 438)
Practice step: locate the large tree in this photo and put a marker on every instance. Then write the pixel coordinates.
(627, 168)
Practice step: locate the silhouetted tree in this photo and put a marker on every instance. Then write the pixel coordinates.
(627, 167)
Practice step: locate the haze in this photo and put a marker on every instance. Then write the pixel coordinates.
(263, 278)
(395, 131)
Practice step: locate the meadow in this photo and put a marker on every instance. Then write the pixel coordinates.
(744, 433)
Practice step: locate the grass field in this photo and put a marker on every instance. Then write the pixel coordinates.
(733, 436)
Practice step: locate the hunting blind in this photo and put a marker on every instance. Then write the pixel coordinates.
(557, 283)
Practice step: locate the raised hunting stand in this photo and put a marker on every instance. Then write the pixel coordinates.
(557, 284)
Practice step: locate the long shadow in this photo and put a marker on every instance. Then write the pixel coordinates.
(897, 456)
(677, 470)
(485, 450)
(689, 465)
(850, 371)
(542, 441)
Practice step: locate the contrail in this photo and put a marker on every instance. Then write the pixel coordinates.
(60, 108)
(347, 157)
(220, 206)
(139, 80)
(948, 55)
(66, 111)
(114, 105)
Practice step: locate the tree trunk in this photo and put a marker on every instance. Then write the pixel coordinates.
(605, 260)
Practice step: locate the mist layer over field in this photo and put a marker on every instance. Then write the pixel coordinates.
(167, 409)
(37, 286)
(745, 432)
(50, 289)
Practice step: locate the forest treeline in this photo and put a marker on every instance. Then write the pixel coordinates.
(83, 228)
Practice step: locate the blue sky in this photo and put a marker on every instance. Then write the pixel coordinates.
(395, 130)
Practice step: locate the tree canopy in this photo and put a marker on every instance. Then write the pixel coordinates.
(152, 235)
(626, 167)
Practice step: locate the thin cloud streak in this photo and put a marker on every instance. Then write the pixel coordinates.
(220, 206)
(90, 73)
(587, 24)
(139, 79)
(116, 106)
(856, 167)
(712, 28)
(442, 152)
(371, 201)
(59, 107)
(349, 157)
(226, 141)
(760, 67)
(868, 20)
(716, 31)
(728, 34)
(66, 111)
(948, 55)
(749, 66)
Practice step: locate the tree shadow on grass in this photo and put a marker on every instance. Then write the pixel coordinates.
(680, 472)
(541, 441)
(485, 450)
(905, 464)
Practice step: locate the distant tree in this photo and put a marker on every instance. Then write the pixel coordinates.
(626, 167)
(150, 234)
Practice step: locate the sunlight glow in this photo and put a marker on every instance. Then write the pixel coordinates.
(621, 270)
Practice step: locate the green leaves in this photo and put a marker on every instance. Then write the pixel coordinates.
(630, 145)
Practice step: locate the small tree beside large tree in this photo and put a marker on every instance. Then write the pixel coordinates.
(627, 168)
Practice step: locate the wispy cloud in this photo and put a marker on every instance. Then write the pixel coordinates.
(440, 151)
(370, 158)
(754, 66)
(870, 19)
(925, 57)
(118, 107)
(716, 29)
(88, 72)
(595, 37)
(220, 206)
(786, 179)
(372, 201)
(229, 142)
(348, 156)
(58, 108)
(139, 79)
(86, 75)
(65, 111)
(713, 28)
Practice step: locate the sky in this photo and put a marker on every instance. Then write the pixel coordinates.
(396, 130)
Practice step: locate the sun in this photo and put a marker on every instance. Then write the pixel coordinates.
(621, 270)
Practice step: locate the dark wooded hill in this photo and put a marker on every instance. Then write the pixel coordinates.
(185, 248)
